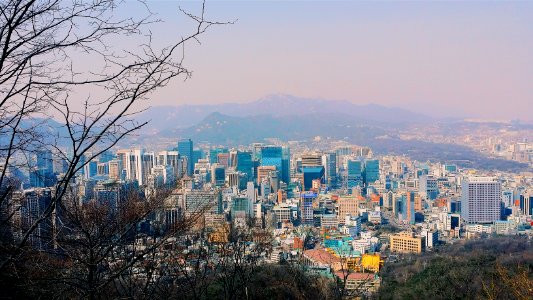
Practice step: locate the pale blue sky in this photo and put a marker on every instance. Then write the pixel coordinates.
(439, 58)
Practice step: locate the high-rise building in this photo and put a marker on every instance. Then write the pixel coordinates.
(355, 173)
(371, 173)
(33, 204)
(329, 161)
(41, 171)
(185, 149)
(263, 172)
(242, 204)
(218, 175)
(285, 164)
(311, 160)
(428, 187)
(310, 174)
(526, 204)
(306, 207)
(245, 164)
(214, 152)
(272, 156)
(480, 202)
(170, 158)
(197, 154)
(90, 169)
(196, 201)
(115, 168)
(223, 159)
(347, 206)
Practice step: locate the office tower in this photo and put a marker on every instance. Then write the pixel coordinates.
(242, 204)
(163, 175)
(233, 158)
(265, 188)
(44, 161)
(102, 169)
(263, 172)
(185, 149)
(33, 204)
(172, 159)
(371, 172)
(197, 154)
(329, 161)
(213, 154)
(218, 175)
(409, 207)
(250, 191)
(311, 160)
(388, 199)
(196, 201)
(347, 206)
(428, 187)
(507, 198)
(310, 174)
(354, 172)
(526, 204)
(105, 156)
(60, 165)
(223, 159)
(115, 168)
(272, 156)
(480, 201)
(245, 164)
(418, 203)
(138, 164)
(236, 179)
(109, 194)
(274, 182)
(306, 207)
(41, 171)
(256, 151)
(285, 164)
(90, 169)
(147, 162)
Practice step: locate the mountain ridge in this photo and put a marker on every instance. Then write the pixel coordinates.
(182, 116)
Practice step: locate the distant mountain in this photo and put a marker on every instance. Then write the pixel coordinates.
(172, 117)
(224, 129)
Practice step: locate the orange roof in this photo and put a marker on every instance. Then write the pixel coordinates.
(321, 256)
(355, 276)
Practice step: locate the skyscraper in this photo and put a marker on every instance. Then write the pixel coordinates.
(185, 149)
(245, 164)
(306, 207)
(271, 156)
(371, 172)
(329, 161)
(481, 197)
(310, 174)
(355, 173)
(285, 164)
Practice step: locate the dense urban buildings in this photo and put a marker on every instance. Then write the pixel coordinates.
(328, 206)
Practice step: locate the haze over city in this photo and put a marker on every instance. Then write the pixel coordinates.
(266, 150)
(442, 59)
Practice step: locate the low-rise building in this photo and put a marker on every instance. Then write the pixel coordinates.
(405, 242)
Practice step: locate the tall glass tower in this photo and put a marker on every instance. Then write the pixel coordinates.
(245, 164)
(271, 156)
(355, 173)
(185, 149)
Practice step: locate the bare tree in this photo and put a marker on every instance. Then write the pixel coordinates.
(57, 61)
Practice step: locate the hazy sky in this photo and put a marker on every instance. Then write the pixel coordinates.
(439, 58)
